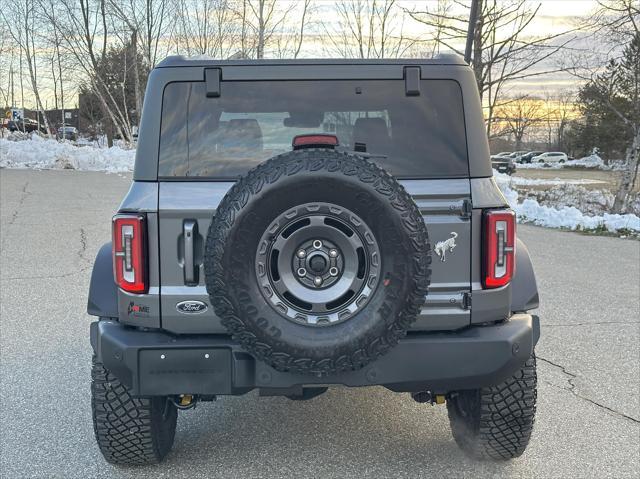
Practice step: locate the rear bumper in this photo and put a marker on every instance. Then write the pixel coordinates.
(157, 363)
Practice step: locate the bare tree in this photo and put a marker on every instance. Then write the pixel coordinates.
(559, 110)
(517, 116)
(23, 16)
(58, 64)
(7, 57)
(288, 43)
(260, 21)
(503, 51)
(206, 27)
(367, 29)
(86, 29)
(150, 20)
(147, 23)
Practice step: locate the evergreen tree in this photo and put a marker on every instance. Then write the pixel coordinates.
(610, 104)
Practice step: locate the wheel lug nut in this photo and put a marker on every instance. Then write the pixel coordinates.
(333, 271)
(317, 281)
(333, 253)
(302, 272)
(302, 253)
(317, 244)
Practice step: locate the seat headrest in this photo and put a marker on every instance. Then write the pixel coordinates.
(242, 133)
(373, 132)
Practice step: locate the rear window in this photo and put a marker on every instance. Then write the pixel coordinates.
(223, 138)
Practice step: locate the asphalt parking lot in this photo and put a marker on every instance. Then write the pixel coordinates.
(52, 224)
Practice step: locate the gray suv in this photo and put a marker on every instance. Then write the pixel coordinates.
(294, 225)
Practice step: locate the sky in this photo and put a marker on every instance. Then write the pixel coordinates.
(554, 16)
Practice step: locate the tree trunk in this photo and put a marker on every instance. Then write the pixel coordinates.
(261, 29)
(518, 143)
(629, 175)
(136, 77)
(476, 62)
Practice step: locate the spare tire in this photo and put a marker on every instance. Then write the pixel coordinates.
(317, 261)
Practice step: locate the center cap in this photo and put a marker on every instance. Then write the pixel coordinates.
(317, 264)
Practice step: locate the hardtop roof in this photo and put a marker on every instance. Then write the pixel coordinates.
(204, 61)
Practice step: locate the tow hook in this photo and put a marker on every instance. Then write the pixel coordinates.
(428, 396)
(185, 401)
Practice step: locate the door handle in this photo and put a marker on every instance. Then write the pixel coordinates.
(190, 231)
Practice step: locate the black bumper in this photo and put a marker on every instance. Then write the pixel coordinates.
(157, 363)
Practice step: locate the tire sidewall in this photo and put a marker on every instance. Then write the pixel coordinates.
(241, 303)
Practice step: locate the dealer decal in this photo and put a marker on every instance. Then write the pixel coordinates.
(138, 310)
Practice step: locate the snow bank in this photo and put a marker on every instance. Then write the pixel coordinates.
(39, 153)
(572, 218)
(564, 217)
(591, 161)
(520, 181)
(538, 166)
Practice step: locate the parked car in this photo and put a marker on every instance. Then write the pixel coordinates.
(289, 258)
(518, 154)
(504, 154)
(550, 157)
(504, 164)
(527, 157)
(26, 126)
(68, 133)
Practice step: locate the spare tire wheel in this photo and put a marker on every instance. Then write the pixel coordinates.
(317, 261)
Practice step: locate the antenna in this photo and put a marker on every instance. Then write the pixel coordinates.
(473, 18)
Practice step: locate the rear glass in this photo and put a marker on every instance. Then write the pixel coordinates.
(223, 138)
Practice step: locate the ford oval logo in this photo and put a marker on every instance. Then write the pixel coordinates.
(191, 307)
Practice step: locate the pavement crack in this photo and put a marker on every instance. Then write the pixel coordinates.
(23, 196)
(560, 366)
(589, 324)
(54, 276)
(14, 216)
(83, 246)
(572, 390)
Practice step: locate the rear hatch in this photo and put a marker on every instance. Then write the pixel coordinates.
(214, 131)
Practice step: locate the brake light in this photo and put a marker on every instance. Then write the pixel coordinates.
(129, 253)
(310, 141)
(499, 247)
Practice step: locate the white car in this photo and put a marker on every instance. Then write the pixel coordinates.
(550, 157)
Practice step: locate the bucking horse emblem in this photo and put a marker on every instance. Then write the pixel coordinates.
(448, 244)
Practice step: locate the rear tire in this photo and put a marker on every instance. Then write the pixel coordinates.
(129, 430)
(496, 422)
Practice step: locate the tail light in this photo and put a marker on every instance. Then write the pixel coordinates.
(499, 247)
(314, 141)
(129, 253)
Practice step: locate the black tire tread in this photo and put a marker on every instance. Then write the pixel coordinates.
(500, 427)
(289, 164)
(129, 430)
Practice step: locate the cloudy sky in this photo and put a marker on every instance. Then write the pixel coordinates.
(553, 17)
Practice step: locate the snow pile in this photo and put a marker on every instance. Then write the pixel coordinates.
(530, 210)
(538, 166)
(591, 161)
(570, 217)
(39, 153)
(592, 202)
(520, 181)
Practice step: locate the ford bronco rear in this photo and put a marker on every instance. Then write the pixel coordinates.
(294, 225)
